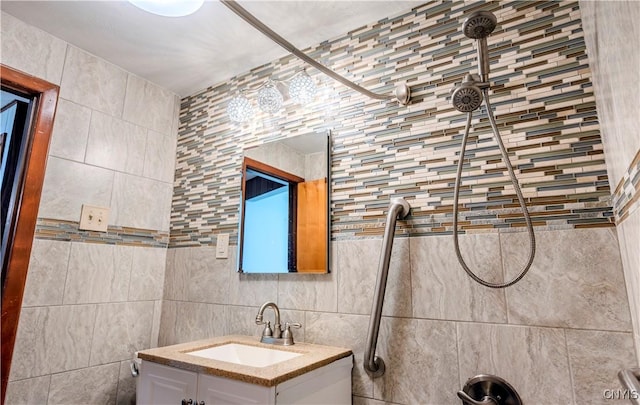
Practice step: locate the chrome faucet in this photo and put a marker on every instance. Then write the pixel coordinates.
(275, 336)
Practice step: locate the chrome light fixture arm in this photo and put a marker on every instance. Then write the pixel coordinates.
(402, 93)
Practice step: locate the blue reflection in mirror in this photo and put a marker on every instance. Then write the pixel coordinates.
(266, 240)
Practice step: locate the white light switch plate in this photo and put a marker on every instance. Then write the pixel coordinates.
(94, 218)
(222, 246)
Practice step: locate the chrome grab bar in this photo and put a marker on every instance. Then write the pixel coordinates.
(630, 379)
(374, 365)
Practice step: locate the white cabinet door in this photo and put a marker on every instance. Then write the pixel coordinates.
(223, 391)
(162, 385)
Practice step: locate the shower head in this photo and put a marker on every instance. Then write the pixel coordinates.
(467, 96)
(479, 24)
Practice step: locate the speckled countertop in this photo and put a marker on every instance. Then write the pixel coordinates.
(313, 356)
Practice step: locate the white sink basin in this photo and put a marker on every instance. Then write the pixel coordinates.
(245, 355)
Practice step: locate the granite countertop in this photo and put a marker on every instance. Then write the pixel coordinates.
(313, 356)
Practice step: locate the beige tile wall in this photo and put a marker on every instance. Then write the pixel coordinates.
(562, 344)
(614, 55)
(88, 307)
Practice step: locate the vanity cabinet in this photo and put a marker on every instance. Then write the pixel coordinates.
(161, 384)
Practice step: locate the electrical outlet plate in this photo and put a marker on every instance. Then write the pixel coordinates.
(222, 246)
(94, 218)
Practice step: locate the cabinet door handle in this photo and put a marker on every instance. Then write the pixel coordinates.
(189, 402)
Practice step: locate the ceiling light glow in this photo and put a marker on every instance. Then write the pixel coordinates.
(169, 8)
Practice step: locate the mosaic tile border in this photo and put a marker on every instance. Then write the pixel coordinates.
(55, 229)
(626, 197)
(542, 96)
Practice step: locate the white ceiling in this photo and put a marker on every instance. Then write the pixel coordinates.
(190, 53)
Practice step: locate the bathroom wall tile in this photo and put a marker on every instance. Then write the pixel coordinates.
(70, 131)
(196, 275)
(241, 320)
(121, 330)
(199, 321)
(421, 362)
(358, 262)
(614, 65)
(98, 273)
(442, 289)
(366, 401)
(155, 327)
(312, 292)
(92, 82)
(47, 273)
(249, 289)
(149, 105)
(629, 236)
(574, 281)
(168, 317)
(52, 339)
(28, 392)
(116, 144)
(596, 357)
(342, 330)
(93, 385)
(68, 185)
(533, 360)
(160, 156)
(147, 274)
(140, 203)
(126, 385)
(31, 50)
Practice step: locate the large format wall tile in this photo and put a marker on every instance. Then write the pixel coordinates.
(32, 391)
(249, 289)
(342, 330)
(93, 385)
(421, 362)
(68, 185)
(47, 273)
(196, 321)
(91, 81)
(149, 105)
(357, 278)
(147, 274)
(168, 318)
(116, 144)
(70, 131)
(442, 289)
(595, 358)
(52, 339)
(31, 50)
(98, 273)
(533, 360)
(194, 274)
(574, 281)
(629, 232)
(121, 330)
(312, 292)
(160, 156)
(140, 203)
(126, 385)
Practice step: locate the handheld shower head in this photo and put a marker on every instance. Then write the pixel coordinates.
(478, 26)
(467, 96)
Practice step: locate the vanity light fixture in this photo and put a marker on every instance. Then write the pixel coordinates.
(169, 8)
(302, 90)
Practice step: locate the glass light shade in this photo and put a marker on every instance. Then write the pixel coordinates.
(269, 98)
(302, 88)
(239, 109)
(169, 8)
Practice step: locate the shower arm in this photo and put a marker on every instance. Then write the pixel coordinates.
(374, 365)
(402, 92)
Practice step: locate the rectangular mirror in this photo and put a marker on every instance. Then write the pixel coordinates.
(284, 208)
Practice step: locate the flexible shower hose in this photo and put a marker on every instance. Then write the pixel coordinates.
(516, 186)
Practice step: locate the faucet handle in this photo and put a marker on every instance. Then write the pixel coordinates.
(267, 330)
(292, 324)
(287, 335)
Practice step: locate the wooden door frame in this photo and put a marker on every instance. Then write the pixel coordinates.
(27, 214)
